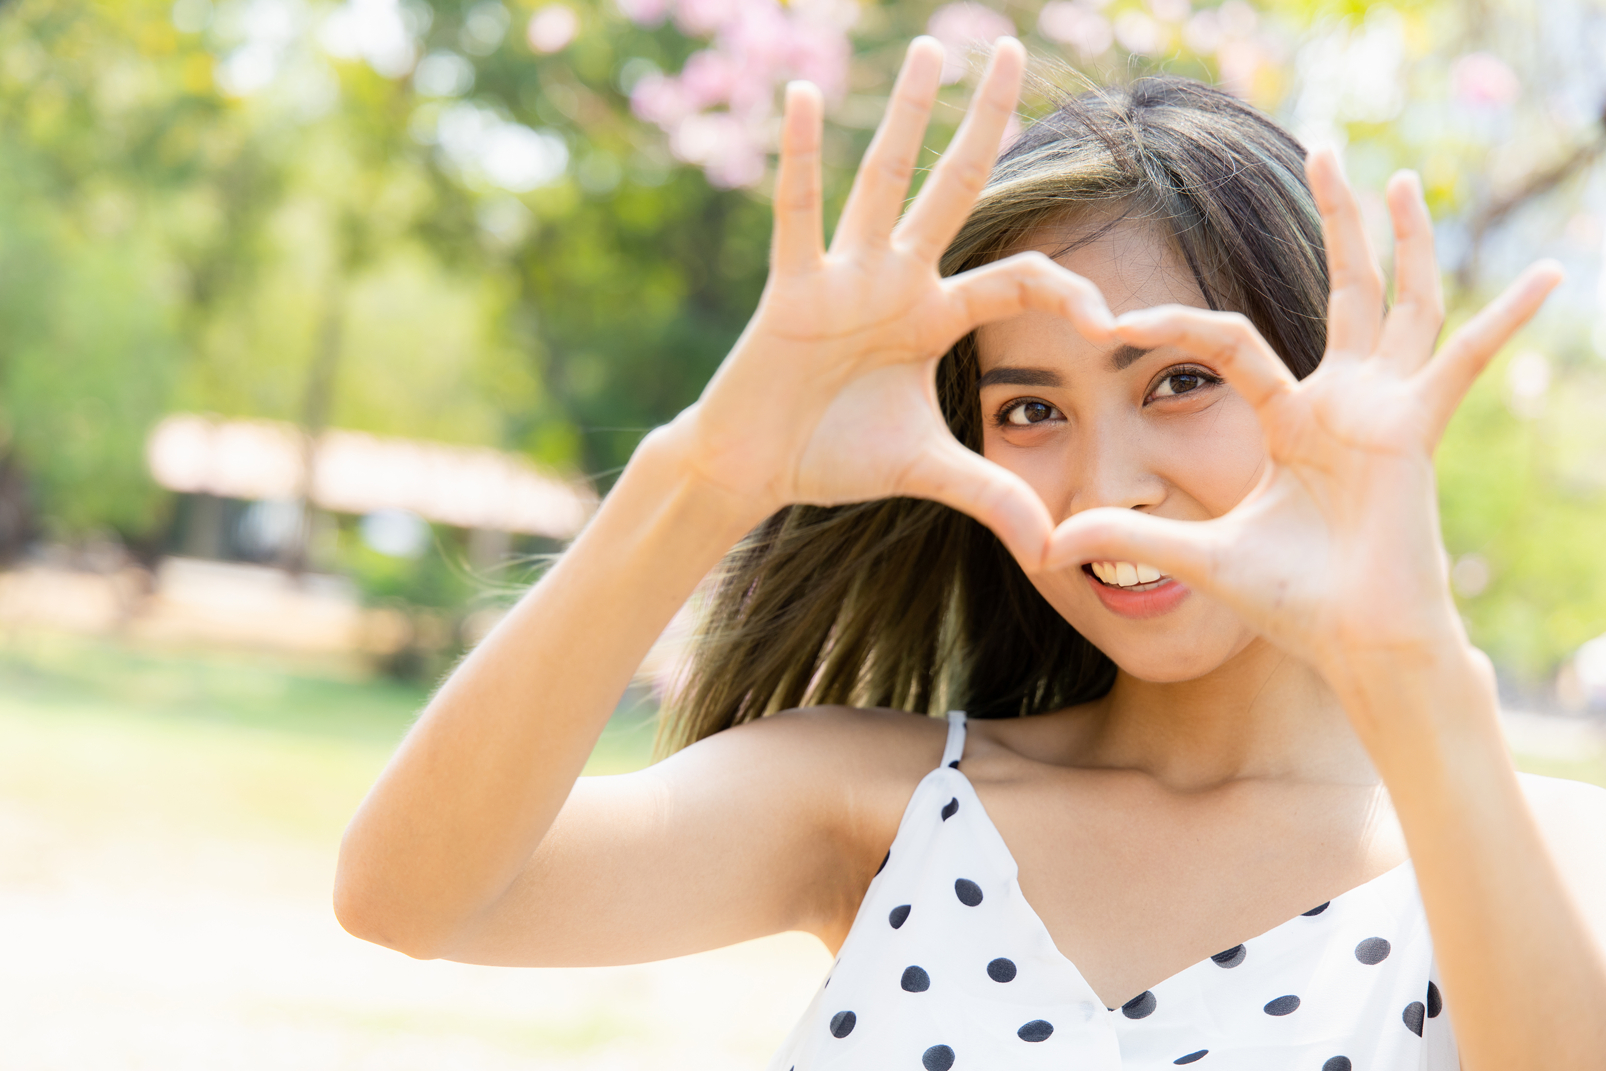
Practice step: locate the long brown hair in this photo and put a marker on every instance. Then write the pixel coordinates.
(909, 604)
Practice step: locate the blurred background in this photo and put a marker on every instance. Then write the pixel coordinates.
(321, 322)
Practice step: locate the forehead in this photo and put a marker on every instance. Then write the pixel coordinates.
(1133, 262)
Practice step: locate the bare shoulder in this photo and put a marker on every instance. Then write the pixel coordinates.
(838, 752)
(874, 737)
(1572, 818)
(866, 760)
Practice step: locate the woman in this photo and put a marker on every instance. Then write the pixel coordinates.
(1233, 791)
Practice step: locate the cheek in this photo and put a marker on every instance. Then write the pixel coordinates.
(1214, 457)
(1044, 461)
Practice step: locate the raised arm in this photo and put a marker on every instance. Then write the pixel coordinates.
(1336, 557)
(476, 843)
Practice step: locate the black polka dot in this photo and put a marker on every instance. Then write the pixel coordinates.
(1413, 1016)
(1284, 1005)
(1230, 958)
(883, 865)
(1317, 910)
(1036, 1030)
(1337, 1063)
(1139, 1006)
(968, 891)
(950, 808)
(898, 915)
(842, 1024)
(915, 980)
(1191, 1057)
(1372, 950)
(937, 1058)
(954, 765)
(1001, 970)
(1435, 1001)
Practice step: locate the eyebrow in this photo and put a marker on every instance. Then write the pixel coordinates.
(1122, 358)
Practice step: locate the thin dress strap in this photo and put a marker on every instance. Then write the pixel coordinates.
(956, 738)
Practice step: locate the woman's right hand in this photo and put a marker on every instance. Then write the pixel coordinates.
(829, 395)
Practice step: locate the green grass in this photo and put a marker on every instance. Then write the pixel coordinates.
(230, 744)
(67, 675)
(101, 737)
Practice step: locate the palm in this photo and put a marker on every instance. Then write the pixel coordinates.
(829, 396)
(1337, 549)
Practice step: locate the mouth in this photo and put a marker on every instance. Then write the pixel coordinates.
(1127, 576)
(1134, 590)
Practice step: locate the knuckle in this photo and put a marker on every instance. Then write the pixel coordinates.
(893, 171)
(970, 175)
(1033, 263)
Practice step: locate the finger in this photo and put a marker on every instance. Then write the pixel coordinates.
(1412, 326)
(1185, 550)
(1225, 340)
(947, 196)
(882, 183)
(1451, 373)
(1355, 305)
(798, 243)
(1027, 282)
(960, 478)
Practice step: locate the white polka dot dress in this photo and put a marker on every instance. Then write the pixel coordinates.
(947, 966)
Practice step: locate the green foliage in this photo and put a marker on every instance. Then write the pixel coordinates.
(88, 355)
(1528, 495)
(312, 250)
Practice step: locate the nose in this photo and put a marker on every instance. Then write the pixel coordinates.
(1106, 467)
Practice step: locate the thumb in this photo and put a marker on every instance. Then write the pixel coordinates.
(1185, 550)
(948, 473)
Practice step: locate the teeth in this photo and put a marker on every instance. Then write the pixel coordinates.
(1125, 574)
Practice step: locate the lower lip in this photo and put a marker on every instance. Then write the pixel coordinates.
(1139, 604)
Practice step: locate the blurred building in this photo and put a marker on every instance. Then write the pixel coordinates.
(245, 568)
(247, 484)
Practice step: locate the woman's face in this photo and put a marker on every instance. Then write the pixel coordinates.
(1108, 425)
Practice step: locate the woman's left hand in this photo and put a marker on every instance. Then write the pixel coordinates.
(1335, 556)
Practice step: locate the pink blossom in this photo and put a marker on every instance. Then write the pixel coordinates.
(1238, 19)
(1077, 25)
(1238, 64)
(707, 78)
(822, 55)
(552, 28)
(644, 12)
(1171, 10)
(964, 27)
(719, 111)
(1482, 80)
(839, 15)
(1137, 33)
(698, 18)
(1202, 34)
(731, 152)
(660, 99)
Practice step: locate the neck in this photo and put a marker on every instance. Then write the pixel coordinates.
(1260, 715)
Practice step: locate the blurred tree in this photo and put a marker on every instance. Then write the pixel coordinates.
(539, 224)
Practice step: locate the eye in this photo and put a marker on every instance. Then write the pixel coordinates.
(1028, 411)
(1183, 381)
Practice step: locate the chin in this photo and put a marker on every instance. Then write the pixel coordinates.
(1165, 663)
(1191, 642)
